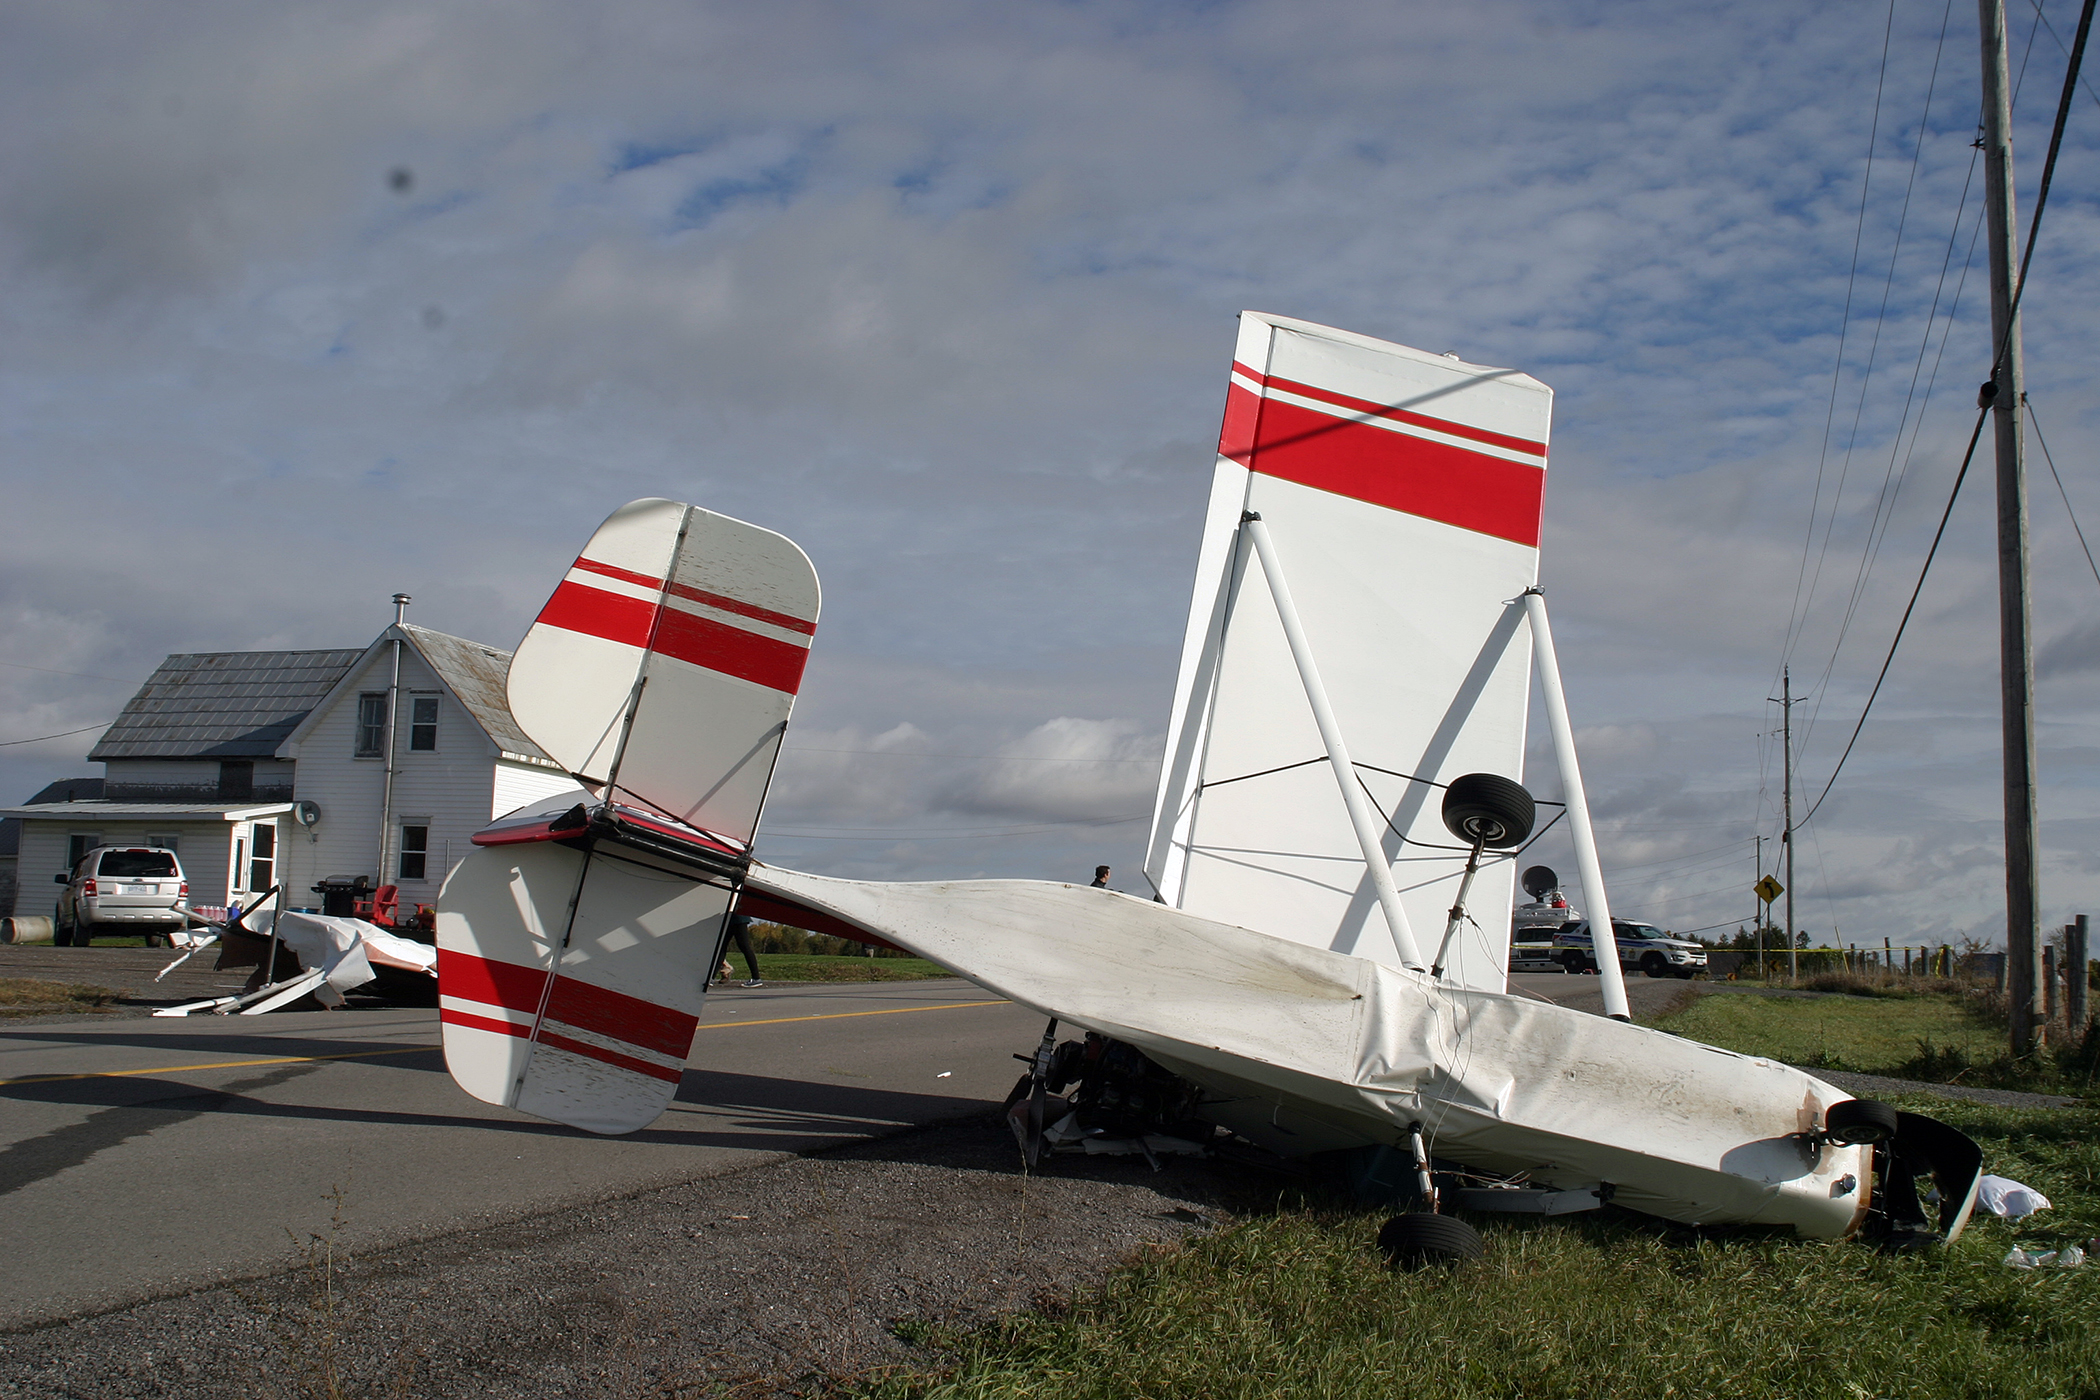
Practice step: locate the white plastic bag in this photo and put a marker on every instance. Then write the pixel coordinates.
(2003, 1196)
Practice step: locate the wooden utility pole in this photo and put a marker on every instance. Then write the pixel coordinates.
(2004, 394)
(1786, 837)
(1764, 908)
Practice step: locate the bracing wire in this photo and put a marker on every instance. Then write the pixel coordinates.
(2035, 423)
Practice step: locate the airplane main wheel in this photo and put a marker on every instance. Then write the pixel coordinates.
(1489, 808)
(1418, 1240)
(1858, 1122)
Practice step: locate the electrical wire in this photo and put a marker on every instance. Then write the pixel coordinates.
(10, 743)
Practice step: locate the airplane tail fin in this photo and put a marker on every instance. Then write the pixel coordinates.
(577, 941)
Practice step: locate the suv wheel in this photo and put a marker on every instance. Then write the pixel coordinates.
(1571, 963)
(1655, 964)
(61, 930)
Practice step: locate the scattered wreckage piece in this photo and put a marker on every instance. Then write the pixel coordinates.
(298, 955)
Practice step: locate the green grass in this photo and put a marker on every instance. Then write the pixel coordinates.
(799, 967)
(1867, 1035)
(27, 996)
(1298, 1303)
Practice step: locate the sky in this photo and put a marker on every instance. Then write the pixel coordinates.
(305, 304)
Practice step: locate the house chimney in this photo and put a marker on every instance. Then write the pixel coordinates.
(400, 607)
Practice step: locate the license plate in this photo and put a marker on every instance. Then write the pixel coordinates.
(134, 889)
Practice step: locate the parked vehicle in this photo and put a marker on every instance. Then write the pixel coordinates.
(1642, 946)
(1532, 926)
(118, 890)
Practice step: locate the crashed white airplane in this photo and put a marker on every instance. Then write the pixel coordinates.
(1353, 686)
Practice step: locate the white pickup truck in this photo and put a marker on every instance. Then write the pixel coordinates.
(1642, 946)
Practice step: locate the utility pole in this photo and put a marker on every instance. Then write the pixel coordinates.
(1786, 837)
(2004, 395)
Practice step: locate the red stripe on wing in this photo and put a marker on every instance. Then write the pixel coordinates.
(1399, 471)
(556, 1041)
(1367, 409)
(701, 595)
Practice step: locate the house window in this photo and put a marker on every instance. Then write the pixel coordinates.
(262, 857)
(423, 724)
(78, 844)
(371, 725)
(167, 841)
(415, 851)
(236, 780)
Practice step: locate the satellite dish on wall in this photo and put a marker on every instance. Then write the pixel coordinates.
(307, 813)
(1540, 881)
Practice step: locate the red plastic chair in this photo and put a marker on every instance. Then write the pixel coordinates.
(386, 902)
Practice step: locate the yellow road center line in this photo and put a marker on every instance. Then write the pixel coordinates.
(412, 1049)
(216, 1064)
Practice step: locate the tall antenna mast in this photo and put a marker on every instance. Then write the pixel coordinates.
(1786, 835)
(2005, 394)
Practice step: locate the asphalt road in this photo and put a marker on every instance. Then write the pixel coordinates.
(143, 1157)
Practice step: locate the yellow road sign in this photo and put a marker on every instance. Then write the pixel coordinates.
(1768, 889)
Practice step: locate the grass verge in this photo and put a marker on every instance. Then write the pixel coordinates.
(1298, 1303)
(1938, 1037)
(794, 967)
(25, 996)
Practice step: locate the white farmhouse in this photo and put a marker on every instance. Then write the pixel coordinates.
(292, 767)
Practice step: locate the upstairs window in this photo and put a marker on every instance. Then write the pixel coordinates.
(423, 724)
(371, 725)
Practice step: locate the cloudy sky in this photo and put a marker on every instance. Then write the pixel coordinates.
(306, 304)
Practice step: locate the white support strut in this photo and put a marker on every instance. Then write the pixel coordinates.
(1379, 869)
(1603, 946)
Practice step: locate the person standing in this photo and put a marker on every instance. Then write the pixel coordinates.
(740, 930)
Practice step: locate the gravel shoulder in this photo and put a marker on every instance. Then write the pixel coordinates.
(777, 1280)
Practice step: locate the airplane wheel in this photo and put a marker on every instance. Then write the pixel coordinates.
(1858, 1122)
(1490, 809)
(1414, 1241)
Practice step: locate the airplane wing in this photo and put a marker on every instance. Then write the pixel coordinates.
(1403, 492)
(576, 943)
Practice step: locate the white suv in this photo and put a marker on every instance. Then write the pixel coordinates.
(118, 890)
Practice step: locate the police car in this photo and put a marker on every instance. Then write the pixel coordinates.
(1642, 946)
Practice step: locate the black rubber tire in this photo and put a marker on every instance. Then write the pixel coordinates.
(1571, 963)
(61, 931)
(1858, 1122)
(1414, 1241)
(1489, 808)
(1655, 965)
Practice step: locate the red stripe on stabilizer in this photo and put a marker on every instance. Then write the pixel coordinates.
(482, 1023)
(1365, 408)
(698, 641)
(508, 985)
(701, 595)
(577, 607)
(619, 1016)
(731, 650)
(1434, 480)
(554, 1040)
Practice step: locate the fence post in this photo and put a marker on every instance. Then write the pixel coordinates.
(2076, 975)
(2048, 985)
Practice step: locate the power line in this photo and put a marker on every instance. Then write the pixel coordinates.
(10, 743)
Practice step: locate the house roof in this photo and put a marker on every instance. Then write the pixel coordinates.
(475, 674)
(222, 704)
